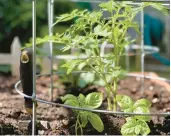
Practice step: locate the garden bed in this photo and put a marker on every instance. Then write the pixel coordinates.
(61, 120)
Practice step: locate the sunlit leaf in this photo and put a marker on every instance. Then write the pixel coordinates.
(125, 102)
(83, 118)
(96, 121)
(142, 102)
(142, 110)
(94, 100)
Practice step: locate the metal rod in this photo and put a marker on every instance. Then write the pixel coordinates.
(34, 65)
(142, 50)
(50, 24)
(91, 110)
(129, 74)
(103, 111)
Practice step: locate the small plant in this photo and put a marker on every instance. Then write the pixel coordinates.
(134, 125)
(89, 31)
(91, 101)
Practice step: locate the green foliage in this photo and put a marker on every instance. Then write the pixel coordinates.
(5, 68)
(16, 20)
(90, 30)
(125, 102)
(137, 124)
(135, 127)
(85, 32)
(91, 101)
(85, 79)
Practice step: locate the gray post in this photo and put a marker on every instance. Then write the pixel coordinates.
(34, 65)
(50, 25)
(142, 50)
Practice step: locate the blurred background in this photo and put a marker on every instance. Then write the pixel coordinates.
(16, 20)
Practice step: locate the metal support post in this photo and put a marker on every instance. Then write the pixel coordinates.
(142, 51)
(50, 26)
(34, 65)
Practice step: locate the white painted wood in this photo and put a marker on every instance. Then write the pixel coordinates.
(15, 56)
(5, 58)
(12, 58)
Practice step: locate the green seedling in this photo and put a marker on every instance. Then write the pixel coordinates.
(90, 30)
(134, 125)
(85, 32)
(91, 101)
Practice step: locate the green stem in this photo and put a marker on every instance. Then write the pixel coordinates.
(80, 127)
(115, 92)
(108, 88)
(76, 124)
(116, 51)
(109, 105)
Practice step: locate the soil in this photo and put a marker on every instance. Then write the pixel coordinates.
(61, 120)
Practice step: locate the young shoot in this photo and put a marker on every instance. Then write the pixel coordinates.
(91, 101)
(89, 31)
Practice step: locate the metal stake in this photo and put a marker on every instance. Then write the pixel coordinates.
(34, 65)
(142, 50)
(50, 25)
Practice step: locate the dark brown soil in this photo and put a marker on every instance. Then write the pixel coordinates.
(62, 120)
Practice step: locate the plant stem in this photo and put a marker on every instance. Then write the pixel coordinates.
(108, 89)
(76, 126)
(109, 105)
(115, 92)
(80, 127)
(114, 41)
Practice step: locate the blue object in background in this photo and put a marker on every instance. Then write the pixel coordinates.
(85, 5)
(153, 28)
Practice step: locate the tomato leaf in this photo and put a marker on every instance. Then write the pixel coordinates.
(142, 102)
(96, 121)
(142, 110)
(125, 102)
(94, 100)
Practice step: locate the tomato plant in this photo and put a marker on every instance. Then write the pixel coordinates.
(90, 30)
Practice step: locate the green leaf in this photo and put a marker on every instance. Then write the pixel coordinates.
(129, 127)
(88, 77)
(82, 100)
(98, 30)
(145, 130)
(71, 65)
(99, 82)
(142, 102)
(118, 73)
(69, 97)
(125, 102)
(81, 97)
(142, 110)
(66, 17)
(94, 100)
(96, 121)
(137, 129)
(72, 103)
(83, 118)
(134, 127)
(129, 110)
(81, 65)
(107, 6)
